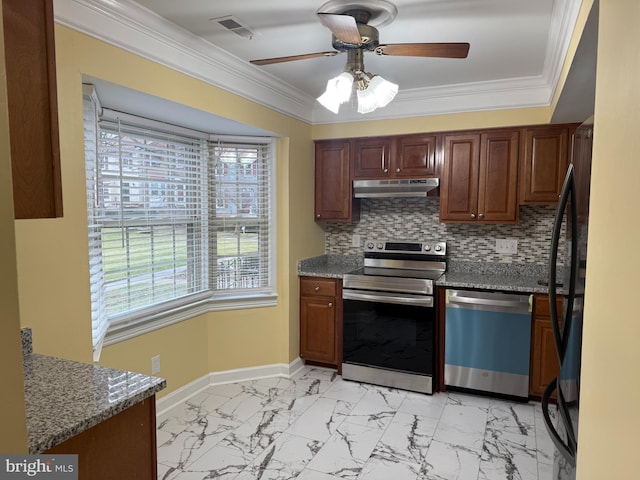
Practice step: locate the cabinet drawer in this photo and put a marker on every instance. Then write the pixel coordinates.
(542, 305)
(318, 286)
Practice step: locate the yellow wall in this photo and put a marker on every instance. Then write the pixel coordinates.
(12, 415)
(610, 394)
(52, 254)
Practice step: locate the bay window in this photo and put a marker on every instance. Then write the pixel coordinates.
(180, 222)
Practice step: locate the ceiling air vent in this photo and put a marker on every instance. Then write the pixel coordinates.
(235, 25)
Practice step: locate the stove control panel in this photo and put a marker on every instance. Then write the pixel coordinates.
(397, 246)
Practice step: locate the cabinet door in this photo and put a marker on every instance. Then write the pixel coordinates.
(415, 156)
(544, 365)
(32, 104)
(497, 197)
(544, 359)
(371, 158)
(122, 446)
(459, 188)
(333, 193)
(544, 164)
(318, 329)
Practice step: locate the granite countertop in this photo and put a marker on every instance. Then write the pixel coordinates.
(64, 398)
(486, 281)
(484, 276)
(329, 266)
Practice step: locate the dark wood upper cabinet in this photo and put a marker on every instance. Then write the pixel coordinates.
(543, 163)
(333, 188)
(415, 156)
(460, 174)
(32, 104)
(479, 178)
(395, 157)
(497, 191)
(372, 157)
(484, 174)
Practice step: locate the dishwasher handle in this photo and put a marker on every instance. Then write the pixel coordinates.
(489, 301)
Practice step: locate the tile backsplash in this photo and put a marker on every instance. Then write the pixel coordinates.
(417, 219)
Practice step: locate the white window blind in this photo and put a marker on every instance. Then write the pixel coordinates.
(99, 321)
(173, 219)
(240, 214)
(152, 214)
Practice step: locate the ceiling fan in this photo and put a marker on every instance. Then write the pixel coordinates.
(352, 33)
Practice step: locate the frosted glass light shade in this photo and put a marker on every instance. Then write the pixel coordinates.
(366, 101)
(338, 92)
(329, 101)
(383, 90)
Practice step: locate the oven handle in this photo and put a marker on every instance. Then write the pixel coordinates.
(382, 297)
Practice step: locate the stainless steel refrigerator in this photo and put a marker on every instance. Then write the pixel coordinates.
(562, 418)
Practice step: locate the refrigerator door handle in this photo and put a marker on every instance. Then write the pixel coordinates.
(565, 450)
(568, 192)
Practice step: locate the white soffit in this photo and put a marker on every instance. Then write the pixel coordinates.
(133, 28)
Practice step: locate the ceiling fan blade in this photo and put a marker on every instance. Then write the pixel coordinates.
(291, 58)
(444, 50)
(344, 27)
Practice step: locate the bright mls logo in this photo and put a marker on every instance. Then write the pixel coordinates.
(52, 467)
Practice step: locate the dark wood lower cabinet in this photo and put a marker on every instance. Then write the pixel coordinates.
(544, 359)
(123, 446)
(321, 321)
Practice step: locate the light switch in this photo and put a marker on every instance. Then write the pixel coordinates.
(355, 240)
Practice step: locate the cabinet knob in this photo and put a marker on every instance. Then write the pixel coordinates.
(473, 215)
(330, 304)
(481, 215)
(318, 215)
(317, 289)
(385, 170)
(398, 170)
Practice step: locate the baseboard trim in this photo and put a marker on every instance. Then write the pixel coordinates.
(170, 400)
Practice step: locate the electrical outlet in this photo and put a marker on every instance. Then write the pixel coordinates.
(506, 245)
(155, 364)
(355, 240)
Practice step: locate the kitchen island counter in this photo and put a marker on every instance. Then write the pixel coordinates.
(65, 398)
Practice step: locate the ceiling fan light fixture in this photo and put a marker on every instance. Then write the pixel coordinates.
(338, 92)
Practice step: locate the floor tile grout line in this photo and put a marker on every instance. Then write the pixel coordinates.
(321, 394)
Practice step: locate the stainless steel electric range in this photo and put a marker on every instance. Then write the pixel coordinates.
(390, 316)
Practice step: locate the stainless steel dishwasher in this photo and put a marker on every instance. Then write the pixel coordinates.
(487, 341)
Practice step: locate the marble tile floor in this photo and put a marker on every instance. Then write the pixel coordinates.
(316, 426)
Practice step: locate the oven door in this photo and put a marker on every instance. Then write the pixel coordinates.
(389, 339)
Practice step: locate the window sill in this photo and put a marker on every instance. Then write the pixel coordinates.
(127, 328)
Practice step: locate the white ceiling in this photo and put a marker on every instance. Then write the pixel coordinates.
(508, 38)
(517, 49)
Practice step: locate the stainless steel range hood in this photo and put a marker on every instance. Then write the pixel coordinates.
(390, 188)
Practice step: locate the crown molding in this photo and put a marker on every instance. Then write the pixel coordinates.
(563, 21)
(130, 26)
(468, 97)
(136, 29)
